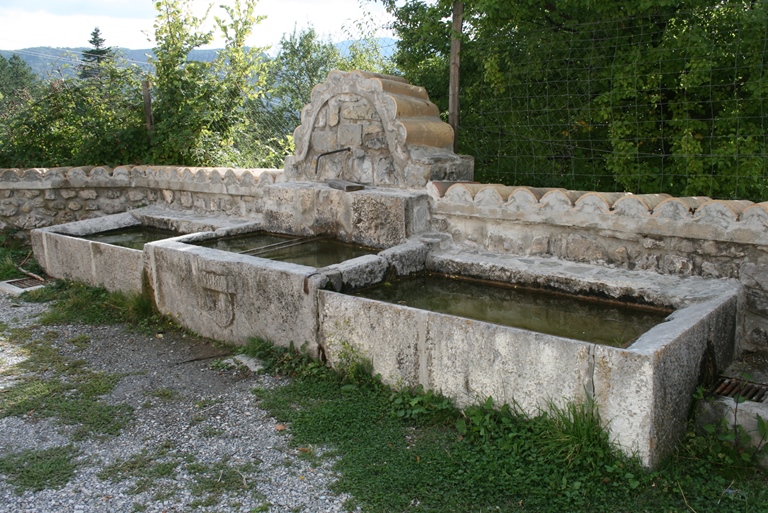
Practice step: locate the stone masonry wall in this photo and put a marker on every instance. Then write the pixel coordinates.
(693, 236)
(34, 198)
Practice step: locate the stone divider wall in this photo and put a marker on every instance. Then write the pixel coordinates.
(694, 236)
(34, 198)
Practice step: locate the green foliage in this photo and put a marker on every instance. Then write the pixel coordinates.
(15, 252)
(76, 121)
(643, 96)
(75, 302)
(497, 458)
(17, 83)
(420, 406)
(35, 470)
(198, 106)
(736, 442)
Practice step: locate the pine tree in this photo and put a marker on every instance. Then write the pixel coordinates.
(94, 57)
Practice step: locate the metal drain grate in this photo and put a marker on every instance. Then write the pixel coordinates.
(730, 387)
(26, 283)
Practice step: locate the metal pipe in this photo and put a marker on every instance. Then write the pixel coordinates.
(280, 245)
(317, 159)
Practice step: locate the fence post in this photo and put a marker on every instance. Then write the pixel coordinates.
(149, 118)
(453, 88)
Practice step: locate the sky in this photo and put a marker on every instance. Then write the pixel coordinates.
(127, 23)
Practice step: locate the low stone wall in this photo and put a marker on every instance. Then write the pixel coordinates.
(35, 198)
(693, 236)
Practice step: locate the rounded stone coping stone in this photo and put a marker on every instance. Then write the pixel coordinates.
(199, 179)
(647, 287)
(659, 205)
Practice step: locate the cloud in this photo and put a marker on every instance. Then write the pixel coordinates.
(68, 23)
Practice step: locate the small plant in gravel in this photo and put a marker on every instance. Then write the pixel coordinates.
(37, 470)
(14, 253)
(211, 481)
(146, 468)
(165, 394)
(80, 342)
(52, 385)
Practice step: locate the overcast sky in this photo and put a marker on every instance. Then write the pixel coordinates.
(126, 23)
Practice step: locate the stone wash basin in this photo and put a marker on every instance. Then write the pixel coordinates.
(104, 252)
(643, 391)
(220, 284)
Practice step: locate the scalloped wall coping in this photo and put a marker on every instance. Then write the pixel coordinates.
(221, 180)
(729, 220)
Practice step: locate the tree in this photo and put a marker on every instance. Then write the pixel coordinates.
(94, 57)
(652, 96)
(17, 80)
(198, 106)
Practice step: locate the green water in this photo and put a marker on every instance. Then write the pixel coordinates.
(316, 253)
(133, 237)
(240, 243)
(320, 253)
(576, 317)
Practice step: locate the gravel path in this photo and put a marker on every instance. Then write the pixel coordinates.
(200, 422)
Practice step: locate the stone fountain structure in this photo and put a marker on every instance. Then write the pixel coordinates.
(373, 165)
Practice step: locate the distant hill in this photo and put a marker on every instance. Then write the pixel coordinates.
(46, 61)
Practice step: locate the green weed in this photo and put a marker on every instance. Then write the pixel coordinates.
(36, 470)
(15, 252)
(165, 394)
(56, 386)
(435, 458)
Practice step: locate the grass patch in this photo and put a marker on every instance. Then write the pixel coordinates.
(15, 252)
(408, 451)
(211, 481)
(52, 385)
(147, 468)
(34, 470)
(79, 303)
(164, 394)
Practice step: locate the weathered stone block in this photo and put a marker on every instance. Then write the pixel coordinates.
(350, 135)
(324, 140)
(134, 195)
(88, 194)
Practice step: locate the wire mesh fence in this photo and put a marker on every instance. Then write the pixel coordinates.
(648, 104)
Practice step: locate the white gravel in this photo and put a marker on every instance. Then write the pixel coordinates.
(212, 417)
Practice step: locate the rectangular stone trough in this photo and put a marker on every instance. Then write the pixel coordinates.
(643, 392)
(66, 253)
(234, 296)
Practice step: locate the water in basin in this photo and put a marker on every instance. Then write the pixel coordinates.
(577, 317)
(133, 237)
(313, 253)
(247, 242)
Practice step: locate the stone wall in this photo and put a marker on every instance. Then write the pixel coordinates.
(693, 236)
(34, 198)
